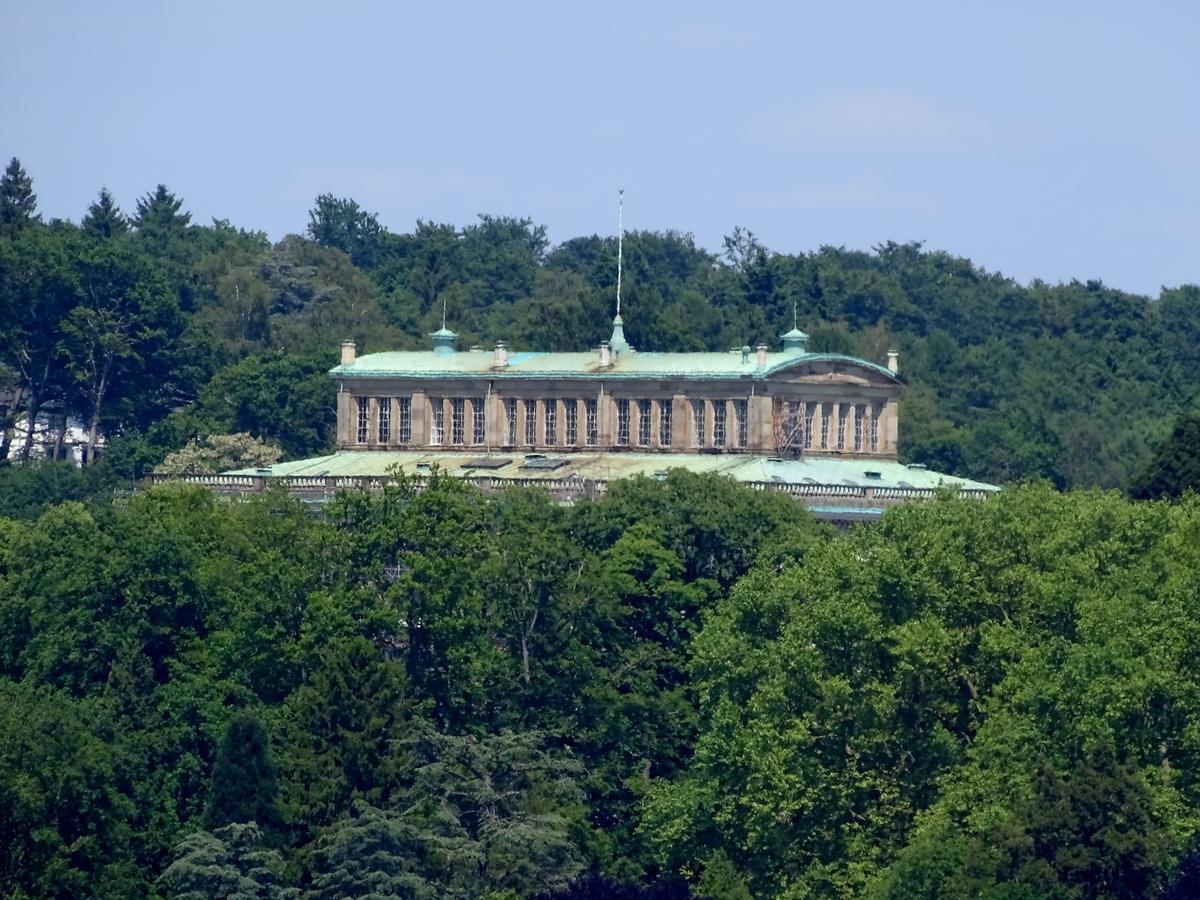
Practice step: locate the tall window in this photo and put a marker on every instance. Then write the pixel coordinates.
(740, 408)
(810, 410)
(385, 419)
(623, 422)
(530, 422)
(875, 430)
(589, 422)
(551, 408)
(643, 423)
(859, 413)
(572, 415)
(478, 421)
(458, 415)
(698, 423)
(437, 422)
(826, 410)
(510, 422)
(405, 422)
(718, 423)
(843, 415)
(664, 423)
(361, 433)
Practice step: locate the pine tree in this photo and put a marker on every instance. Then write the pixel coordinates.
(159, 221)
(244, 782)
(104, 218)
(18, 202)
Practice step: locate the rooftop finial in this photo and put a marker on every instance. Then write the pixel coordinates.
(795, 316)
(443, 312)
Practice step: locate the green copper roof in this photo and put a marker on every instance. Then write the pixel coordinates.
(813, 470)
(631, 364)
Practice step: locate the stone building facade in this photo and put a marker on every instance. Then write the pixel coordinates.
(786, 403)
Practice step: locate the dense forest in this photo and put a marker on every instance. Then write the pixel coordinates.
(160, 334)
(686, 689)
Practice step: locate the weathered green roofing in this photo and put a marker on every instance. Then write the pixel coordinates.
(632, 364)
(822, 470)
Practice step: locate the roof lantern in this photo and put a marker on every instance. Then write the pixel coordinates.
(443, 341)
(795, 341)
(617, 342)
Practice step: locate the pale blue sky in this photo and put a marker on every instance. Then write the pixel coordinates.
(1048, 140)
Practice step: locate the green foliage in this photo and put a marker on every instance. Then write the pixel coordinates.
(104, 218)
(219, 453)
(244, 782)
(18, 202)
(230, 863)
(1175, 465)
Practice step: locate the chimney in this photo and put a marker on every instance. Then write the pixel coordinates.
(762, 355)
(501, 358)
(894, 361)
(605, 355)
(347, 352)
(745, 354)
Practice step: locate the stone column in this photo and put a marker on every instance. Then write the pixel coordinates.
(892, 430)
(761, 430)
(681, 423)
(419, 416)
(344, 404)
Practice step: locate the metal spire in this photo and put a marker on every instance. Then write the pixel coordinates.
(617, 341)
(620, 240)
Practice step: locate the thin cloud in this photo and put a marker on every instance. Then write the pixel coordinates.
(885, 121)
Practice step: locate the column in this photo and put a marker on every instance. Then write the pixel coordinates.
(419, 412)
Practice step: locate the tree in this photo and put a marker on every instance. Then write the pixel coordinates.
(1175, 465)
(39, 291)
(103, 218)
(373, 855)
(244, 784)
(230, 863)
(18, 202)
(117, 342)
(217, 453)
(341, 224)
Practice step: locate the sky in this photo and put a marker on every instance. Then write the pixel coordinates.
(1048, 140)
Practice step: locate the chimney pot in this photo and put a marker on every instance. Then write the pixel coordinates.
(348, 352)
(893, 362)
(605, 355)
(762, 355)
(501, 359)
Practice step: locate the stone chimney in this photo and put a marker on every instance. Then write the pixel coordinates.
(894, 361)
(348, 351)
(501, 358)
(605, 355)
(762, 355)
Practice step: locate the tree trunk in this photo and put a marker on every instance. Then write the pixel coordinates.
(35, 407)
(89, 453)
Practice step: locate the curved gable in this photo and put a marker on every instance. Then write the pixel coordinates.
(824, 367)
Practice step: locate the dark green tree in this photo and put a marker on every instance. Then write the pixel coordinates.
(104, 218)
(244, 781)
(340, 223)
(18, 202)
(1175, 464)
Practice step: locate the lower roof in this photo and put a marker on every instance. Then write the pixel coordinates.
(810, 470)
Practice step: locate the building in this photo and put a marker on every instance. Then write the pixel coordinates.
(615, 400)
(822, 427)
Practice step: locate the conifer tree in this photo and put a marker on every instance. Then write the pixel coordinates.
(18, 202)
(104, 218)
(244, 783)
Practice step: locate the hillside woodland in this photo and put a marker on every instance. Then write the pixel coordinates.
(686, 689)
